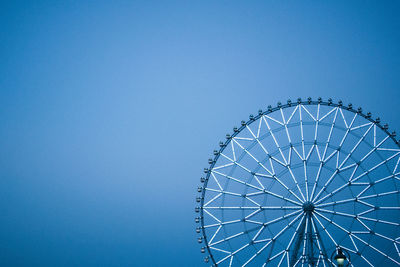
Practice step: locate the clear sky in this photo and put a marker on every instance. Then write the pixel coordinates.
(109, 110)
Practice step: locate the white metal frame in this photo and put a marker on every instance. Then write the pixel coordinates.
(359, 228)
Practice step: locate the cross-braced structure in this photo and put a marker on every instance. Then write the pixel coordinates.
(298, 181)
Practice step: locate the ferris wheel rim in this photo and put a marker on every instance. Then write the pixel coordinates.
(252, 119)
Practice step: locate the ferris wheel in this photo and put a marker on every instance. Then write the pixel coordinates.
(299, 182)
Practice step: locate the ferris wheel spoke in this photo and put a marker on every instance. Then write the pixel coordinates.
(224, 259)
(297, 153)
(240, 165)
(253, 222)
(287, 188)
(213, 199)
(223, 166)
(352, 181)
(356, 146)
(382, 141)
(222, 192)
(309, 113)
(335, 152)
(259, 251)
(258, 232)
(373, 207)
(233, 152)
(354, 243)
(211, 215)
(379, 194)
(344, 119)
(361, 126)
(291, 240)
(375, 167)
(272, 119)
(347, 128)
(316, 124)
(366, 260)
(388, 149)
(289, 225)
(332, 193)
(301, 133)
(282, 217)
(292, 114)
(227, 238)
(262, 240)
(339, 227)
(332, 222)
(378, 221)
(252, 201)
(367, 186)
(356, 199)
(255, 208)
(265, 191)
(296, 183)
(231, 254)
(220, 250)
(274, 238)
(285, 253)
(309, 153)
(259, 127)
(216, 232)
(353, 165)
(325, 185)
(275, 140)
(263, 175)
(277, 255)
(380, 235)
(328, 113)
(221, 223)
(317, 237)
(366, 211)
(325, 230)
(238, 180)
(338, 213)
(377, 250)
(397, 164)
(331, 238)
(264, 225)
(305, 178)
(385, 178)
(318, 152)
(258, 141)
(316, 180)
(375, 146)
(286, 165)
(253, 157)
(303, 256)
(252, 214)
(330, 133)
(362, 192)
(350, 234)
(216, 181)
(286, 129)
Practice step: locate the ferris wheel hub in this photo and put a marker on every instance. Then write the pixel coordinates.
(308, 207)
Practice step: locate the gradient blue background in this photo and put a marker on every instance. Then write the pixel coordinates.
(110, 109)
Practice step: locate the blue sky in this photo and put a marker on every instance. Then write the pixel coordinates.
(110, 110)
